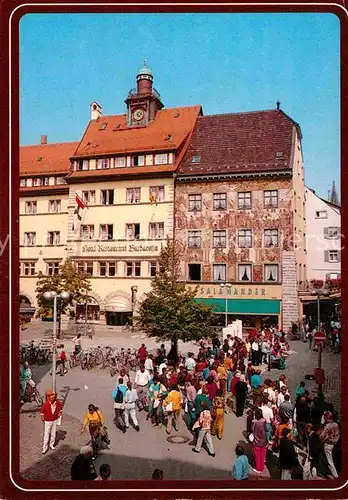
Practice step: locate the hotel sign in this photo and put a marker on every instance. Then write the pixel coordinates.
(239, 291)
(119, 248)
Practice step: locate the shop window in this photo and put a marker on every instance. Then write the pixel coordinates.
(194, 272)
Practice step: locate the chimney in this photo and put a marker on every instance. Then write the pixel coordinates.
(43, 139)
(96, 111)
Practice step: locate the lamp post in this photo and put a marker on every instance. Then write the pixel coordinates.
(55, 296)
(318, 293)
(134, 290)
(226, 286)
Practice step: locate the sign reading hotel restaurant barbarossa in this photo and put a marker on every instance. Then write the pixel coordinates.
(236, 291)
(120, 248)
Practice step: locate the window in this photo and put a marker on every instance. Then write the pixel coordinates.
(244, 238)
(153, 269)
(53, 238)
(88, 197)
(103, 163)
(87, 232)
(271, 198)
(196, 159)
(83, 165)
(332, 256)
(30, 207)
(244, 272)
(45, 181)
(107, 197)
(194, 239)
(103, 126)
(107, 268)
(161, 159)
(219, 201)
(133, 195)
(194, 271)
(156, 193)
(120, 162)
(133, 269)
(321, 214)
(138, 161)
(52, 268)
(85, 267)
(132, 231)
(156, 230)
(29, 268)
(331, 233)
(219, 239)
(60, 180)
(29, 239)
(271, 238)
(37, 181)
(219, 272)
(271, 272)
(106, 231)
(195, 202)
(54, 206)
(23, 182)
(244, 200)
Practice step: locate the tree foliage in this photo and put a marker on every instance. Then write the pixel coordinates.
(170, 311)
(68, 279)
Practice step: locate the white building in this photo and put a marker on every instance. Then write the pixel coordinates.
(323, 237)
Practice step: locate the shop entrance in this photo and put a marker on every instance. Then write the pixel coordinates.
(118, 318)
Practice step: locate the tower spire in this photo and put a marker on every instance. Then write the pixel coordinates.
(334, 196)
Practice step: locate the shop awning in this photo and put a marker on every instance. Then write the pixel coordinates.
(247, 306)
(118, 304)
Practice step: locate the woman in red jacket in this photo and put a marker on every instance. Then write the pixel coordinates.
(50, 412)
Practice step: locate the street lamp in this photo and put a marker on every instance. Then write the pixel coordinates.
(318, 293)
(55, 296)
(226, 286)
(134, 290)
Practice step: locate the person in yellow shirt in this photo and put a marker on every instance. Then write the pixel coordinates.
(172, 404)
(228, 363)
(222, 374)
(95, 421)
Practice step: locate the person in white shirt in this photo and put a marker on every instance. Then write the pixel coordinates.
(149, 364)
(162, 365)
(255, 357)
(190, 363)
(142, 379)
(268, 415)
(130, 400)
(281, 397)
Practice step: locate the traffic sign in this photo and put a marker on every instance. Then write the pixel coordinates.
(319, 337)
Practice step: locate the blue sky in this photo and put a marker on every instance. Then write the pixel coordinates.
(226, 62)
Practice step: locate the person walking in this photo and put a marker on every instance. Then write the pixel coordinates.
(240, 469)
(172, 404)
(286, 409)
(241, 390)
(148, 365)
(25, 374)
(268, 415)
(222, 374)
(156, 391)
(95, 421)
(218, 415)
(301, 418)
(310, 467)
(141, 383)
(191, 395)
(118, 395)
(259, 441)
(77, 344)
(82, 468)
(255, 353)
(287, 454)
(142, 353)
(329, 437)
(204, 425)
(130, 400)
(51, 412)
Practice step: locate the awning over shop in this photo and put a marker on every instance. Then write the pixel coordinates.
(245, 306)
(118, 304)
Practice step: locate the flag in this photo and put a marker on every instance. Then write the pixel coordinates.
(152, 197)
(79, 212)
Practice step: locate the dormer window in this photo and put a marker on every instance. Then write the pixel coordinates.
(103, 126)
(83, 165)
(161, 159)
(103, 163)
(138, 161)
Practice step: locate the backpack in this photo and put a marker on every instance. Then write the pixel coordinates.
(119, 396)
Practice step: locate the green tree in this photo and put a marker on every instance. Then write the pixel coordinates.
(170, 311)
(67, 279)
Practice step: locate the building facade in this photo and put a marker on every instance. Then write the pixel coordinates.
(240, 215)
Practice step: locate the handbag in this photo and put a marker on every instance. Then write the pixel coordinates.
(251, 437)
(156, 403)
(169, 407)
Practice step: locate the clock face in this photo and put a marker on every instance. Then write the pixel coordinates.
(138, 114)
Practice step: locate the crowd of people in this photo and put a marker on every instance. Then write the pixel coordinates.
(223, 377)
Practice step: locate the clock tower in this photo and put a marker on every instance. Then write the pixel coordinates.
(144, 101)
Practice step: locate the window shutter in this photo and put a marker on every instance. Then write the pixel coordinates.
(339, 256)
(326, 233)
(326, 255)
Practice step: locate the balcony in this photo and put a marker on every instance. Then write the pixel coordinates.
(133, 92)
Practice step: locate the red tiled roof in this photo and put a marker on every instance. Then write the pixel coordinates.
(54, 158)
(242, 142)
(166, 132)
